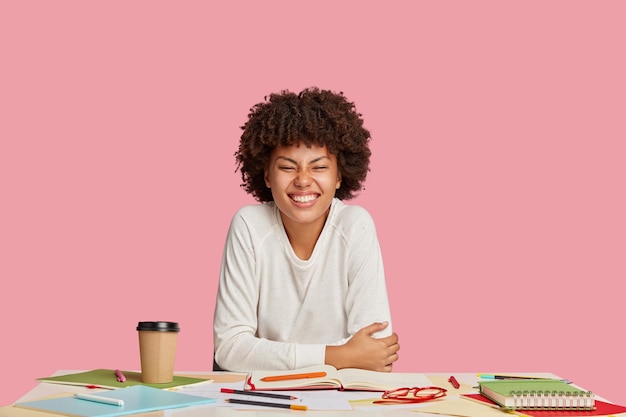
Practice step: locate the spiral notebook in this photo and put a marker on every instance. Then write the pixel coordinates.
(537, 394)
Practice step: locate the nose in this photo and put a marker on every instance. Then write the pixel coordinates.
(303, 179)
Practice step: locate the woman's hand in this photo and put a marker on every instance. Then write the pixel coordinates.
(364, 351)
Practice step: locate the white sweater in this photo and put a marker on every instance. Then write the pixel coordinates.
(276, 311)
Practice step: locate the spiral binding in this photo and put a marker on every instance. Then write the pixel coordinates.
(553, 400)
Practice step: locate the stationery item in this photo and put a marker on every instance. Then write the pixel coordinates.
(157, 349)
(529, 394)
(99, 399)
(411, 395)
(602, 408)
(258, 394)
(342, 379)
(503, 376)
(462, 408)
(120, 376)
(452, 380)
(106, 378)
(289, 377)
(137, 399)
(267, 404)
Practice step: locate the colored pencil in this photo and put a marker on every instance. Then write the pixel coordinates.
(499, 376)
(266, 404)
(259, 394)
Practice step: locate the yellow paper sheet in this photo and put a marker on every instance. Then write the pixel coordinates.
(463, 408)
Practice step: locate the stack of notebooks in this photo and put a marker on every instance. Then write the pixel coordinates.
(542, 398)
(537, 394)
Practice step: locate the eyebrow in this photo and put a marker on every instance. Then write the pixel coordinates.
(296, 163)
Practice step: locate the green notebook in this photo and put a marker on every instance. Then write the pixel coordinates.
(136, 399)
(106, 378)
(537, 394)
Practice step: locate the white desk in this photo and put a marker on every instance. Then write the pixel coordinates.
(467, 380)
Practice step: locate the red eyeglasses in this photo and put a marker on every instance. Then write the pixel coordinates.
(411, 395)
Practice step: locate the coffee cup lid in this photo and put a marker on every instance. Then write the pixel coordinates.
(158, 326)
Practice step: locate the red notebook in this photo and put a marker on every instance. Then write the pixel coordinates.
(602, 408)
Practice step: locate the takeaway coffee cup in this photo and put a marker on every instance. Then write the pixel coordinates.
(157, 348)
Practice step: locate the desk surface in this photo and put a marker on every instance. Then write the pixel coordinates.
(468, 382)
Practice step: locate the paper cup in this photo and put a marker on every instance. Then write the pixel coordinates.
(157, 348)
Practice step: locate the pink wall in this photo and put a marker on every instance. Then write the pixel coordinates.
(497, 182)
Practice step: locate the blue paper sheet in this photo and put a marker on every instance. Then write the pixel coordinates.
(137, 399)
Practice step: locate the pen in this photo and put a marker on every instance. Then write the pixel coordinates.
(264, 404)
(258, 394)
(454, 382)
(500, 376)
(120, 376)
(98, 399)
(293, 376)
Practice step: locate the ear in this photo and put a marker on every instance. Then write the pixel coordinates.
(266, 176)
(338, 184)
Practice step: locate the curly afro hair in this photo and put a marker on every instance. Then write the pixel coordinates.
(313, 117)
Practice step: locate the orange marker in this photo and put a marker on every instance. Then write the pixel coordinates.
(293, 376)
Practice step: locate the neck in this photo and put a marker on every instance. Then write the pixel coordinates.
(303, 237)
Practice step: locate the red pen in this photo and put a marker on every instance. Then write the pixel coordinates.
(454, 382)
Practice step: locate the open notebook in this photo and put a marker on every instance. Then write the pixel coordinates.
(328, 377)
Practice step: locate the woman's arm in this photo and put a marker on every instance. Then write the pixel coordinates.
(365, 351)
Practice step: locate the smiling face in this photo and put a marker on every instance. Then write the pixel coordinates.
(303, 182)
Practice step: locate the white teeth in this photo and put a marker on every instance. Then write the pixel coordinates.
(303, 198)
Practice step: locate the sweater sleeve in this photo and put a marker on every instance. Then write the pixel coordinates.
(237, 348)
(366, 300)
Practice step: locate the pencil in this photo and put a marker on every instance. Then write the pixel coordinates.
(259, 394)
(265, 404)
(497, 376)
(293, 376)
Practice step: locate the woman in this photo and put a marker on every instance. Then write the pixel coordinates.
(302, 280)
